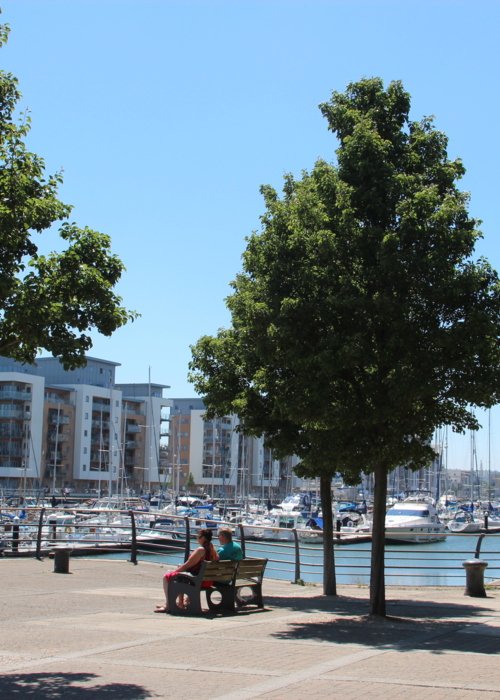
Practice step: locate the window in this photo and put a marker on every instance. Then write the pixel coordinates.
(87, 399)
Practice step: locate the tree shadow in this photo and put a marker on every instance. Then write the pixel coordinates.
(417, 625)
(56, 686)
(349, 605)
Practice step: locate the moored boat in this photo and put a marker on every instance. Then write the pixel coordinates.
(413, 521)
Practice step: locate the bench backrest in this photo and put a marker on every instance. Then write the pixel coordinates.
(228, 570)
(251, 568)
(222, 570)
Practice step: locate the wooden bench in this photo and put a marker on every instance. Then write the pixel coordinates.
(229, 580)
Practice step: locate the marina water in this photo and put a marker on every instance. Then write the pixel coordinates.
(433, 564)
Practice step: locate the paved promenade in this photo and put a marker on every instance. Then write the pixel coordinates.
(92, 634)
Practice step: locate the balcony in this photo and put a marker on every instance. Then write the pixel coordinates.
(11, 432)
(62, 420)
(9, 464)
(98, 424)
(133, 411)
(16, 394)
(7, 450)
(11, 412)
(61, 437)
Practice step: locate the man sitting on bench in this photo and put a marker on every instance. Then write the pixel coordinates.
(228, 549)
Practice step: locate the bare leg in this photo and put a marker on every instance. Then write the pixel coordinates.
(165, 588)
(163, 608)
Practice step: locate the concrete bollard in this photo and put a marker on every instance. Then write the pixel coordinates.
(61, 561)
(474, 578)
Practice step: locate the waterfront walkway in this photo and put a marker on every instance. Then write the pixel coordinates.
(92, 634)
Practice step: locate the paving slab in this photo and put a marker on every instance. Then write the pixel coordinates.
(92, 633)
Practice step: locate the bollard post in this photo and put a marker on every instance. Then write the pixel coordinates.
(474, 578)
(338, 525)
(61, 561)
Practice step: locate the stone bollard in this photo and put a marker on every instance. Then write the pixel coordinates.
(61, 561)
(474, 581)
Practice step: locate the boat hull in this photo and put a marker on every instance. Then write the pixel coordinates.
(414, 535)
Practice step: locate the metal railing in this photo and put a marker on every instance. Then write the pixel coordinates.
(163, 537)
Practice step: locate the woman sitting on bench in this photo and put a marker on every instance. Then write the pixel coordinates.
(204, 552)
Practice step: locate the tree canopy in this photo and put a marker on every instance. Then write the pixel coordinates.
(361, 321)
(49, 302)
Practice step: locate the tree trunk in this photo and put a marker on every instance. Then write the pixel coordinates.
(329, 582)
(377, 579)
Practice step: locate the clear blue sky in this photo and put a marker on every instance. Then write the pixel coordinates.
(167, 116)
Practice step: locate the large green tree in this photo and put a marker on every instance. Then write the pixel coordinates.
(361, 320)
(50, 302)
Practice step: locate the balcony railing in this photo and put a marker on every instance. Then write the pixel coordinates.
(62, 420)
(101, 424)
(15, 394)
(11, 412)
(10, 451)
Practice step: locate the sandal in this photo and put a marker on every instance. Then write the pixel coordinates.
(160, 609)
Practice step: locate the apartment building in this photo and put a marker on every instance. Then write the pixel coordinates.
(213, 457)
(77, 428)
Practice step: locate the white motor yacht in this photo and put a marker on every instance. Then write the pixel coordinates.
(413, 522)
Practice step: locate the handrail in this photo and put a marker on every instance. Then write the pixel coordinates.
(187, 549)
(133, 550)
(39, 535)
(297, 555)
(40, 531)
(478, 545)
(242, 539)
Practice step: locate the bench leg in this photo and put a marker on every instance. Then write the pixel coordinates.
(227, 601)
(254, 599)
(191, 597)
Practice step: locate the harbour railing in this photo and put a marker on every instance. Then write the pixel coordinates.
(166, 538)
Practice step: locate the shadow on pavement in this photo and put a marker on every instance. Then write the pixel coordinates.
(346, 605)
(55, 686)
(418, 626)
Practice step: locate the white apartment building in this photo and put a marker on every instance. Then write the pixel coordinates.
(77, 428)
(21, 423)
